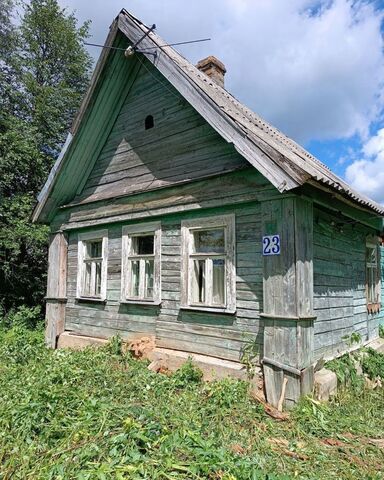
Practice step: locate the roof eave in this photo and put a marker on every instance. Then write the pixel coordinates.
(39, 215)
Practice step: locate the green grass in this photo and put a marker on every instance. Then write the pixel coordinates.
(97, 414)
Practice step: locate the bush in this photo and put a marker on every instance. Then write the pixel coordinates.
(19, 345)
(345, 369)
(187, 374)
(23, 316)
(372, 364)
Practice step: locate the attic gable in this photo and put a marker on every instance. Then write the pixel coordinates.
(180, 146)
(280, 160)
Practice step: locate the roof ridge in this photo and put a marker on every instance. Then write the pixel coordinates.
(324, 175)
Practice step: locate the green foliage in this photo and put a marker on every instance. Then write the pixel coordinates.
(22, 165)
(44, 72)
(188, 374)
(24, 317)
(55, 69)
(372, 363)
(249, 356)
(23, 254)
(20, 345)
(114, 346)
(381, 330)
(95, 415)
(9, 93)
(226, 393)
(353, 339)
(345, 369)
(351, 413)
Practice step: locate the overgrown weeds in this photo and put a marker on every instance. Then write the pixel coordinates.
(372, 364)
(100, 414)
(346, 367)
(346, 371)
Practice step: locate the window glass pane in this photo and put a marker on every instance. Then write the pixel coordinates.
(371, 284)
(198, 281)
(94, 249)
(209, 241)
(143, 245)
(218, 281)
(148, 281)
(97, 287)
(135, 272)
(371, 255)
(87, 279)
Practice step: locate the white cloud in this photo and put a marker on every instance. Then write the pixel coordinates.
(314, 68)
(367, 174)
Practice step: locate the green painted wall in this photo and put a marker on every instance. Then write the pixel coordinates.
(206, 333)
(339, 283)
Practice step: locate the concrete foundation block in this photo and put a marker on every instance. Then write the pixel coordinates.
(71, 340)
(377, 344)
(325, 384)
(213, 368)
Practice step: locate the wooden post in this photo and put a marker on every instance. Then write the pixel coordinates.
(288, 299)
(56, 288)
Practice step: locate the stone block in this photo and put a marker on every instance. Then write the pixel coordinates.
(325, 384)
(71, 340)
(213, 368)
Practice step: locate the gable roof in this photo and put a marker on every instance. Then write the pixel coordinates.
(279, 159)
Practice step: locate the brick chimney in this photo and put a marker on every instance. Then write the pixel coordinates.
(212, 67)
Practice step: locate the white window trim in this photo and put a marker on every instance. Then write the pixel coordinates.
(204, 223)
(83, 238)
(374, 242)
(128, 232)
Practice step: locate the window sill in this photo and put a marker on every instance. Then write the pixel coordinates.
(91, 300)
(140, 302)
(225, 311)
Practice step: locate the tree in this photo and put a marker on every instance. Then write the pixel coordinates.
(8, 45)
(44, 73)
(55, 69)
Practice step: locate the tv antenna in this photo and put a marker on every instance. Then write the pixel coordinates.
(132, 49)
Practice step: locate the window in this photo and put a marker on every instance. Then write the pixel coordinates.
(373, 286)
(140, 276)
(149, 122)
(208, 268)
(92, 265)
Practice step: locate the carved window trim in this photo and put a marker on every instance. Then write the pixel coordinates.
(129, 232)
(188, 228)
(84, 239)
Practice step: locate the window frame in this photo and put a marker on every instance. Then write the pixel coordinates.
(373, 307)
(83, 240)
(188, 227)
(129, 232)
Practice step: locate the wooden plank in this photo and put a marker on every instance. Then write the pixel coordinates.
(56, 288)
(229, 189)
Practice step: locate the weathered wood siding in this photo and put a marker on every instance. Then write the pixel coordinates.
(380, 316)
(339, 284)
(226, 189)
(180, 147)
(200, 332)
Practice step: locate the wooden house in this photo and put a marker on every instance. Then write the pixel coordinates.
(179, 215)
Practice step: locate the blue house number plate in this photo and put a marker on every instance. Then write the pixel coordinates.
(271, 245)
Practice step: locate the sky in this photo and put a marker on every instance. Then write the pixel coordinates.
(312, 68)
